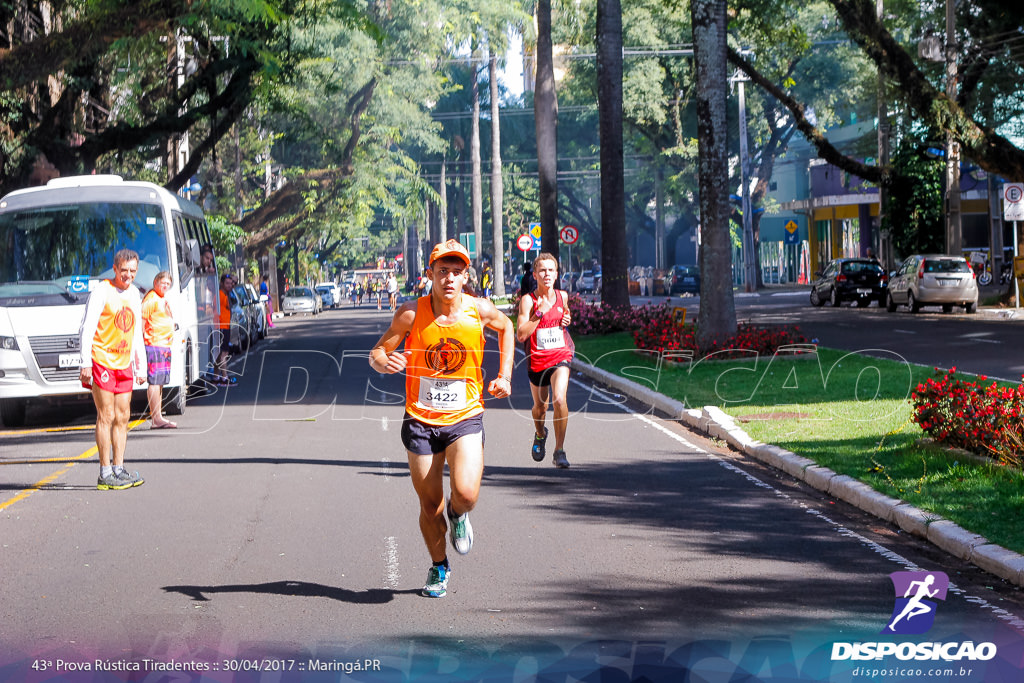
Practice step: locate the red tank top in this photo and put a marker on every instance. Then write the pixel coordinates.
(550, 343)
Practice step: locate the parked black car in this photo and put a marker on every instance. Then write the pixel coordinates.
(683, 279)
(851, 279)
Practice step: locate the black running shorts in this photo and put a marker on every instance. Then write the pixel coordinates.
(425, 439)
(543, 377)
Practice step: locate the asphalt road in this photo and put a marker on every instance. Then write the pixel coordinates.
(277, 530)
(987, 342)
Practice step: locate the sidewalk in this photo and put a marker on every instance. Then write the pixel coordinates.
(711, 421)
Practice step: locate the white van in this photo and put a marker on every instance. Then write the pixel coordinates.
(56, 243)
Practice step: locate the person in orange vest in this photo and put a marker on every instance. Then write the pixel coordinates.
(158, 335)
(443, 424)
(111, 335)
(227, 284)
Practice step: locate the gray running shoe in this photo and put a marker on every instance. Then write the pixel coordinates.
(131, 478)
(112, 482)
(461, 531)
(437, 582)
(538, 446)
(560, 460)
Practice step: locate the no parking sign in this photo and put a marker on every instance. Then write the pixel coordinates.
(1013, 202)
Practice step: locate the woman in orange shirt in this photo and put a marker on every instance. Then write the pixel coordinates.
(158, 334)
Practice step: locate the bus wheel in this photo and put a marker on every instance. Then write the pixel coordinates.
(12, 412)
(174, 400)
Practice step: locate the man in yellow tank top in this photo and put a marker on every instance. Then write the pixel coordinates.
(113, 355)
(444, 342)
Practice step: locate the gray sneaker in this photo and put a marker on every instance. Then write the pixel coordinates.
(560, 460)
(112, 482)
(461, 531)
(537, 450)
(130, 478)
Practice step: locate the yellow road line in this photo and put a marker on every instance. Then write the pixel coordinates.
(25, 493)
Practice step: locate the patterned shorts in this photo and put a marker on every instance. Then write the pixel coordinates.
(158, 365)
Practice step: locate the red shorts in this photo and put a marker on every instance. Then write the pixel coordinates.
(114, 381)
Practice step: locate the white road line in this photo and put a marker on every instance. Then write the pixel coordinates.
(392, 577)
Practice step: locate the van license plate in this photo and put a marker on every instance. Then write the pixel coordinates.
(69, 360)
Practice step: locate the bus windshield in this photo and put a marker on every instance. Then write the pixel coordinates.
(49, 254)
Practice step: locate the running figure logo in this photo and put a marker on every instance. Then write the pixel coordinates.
(914, 612)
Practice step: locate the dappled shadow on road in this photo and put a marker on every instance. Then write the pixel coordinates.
(743, 554)
(371, 596)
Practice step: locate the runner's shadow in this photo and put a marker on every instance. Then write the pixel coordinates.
(373, 596)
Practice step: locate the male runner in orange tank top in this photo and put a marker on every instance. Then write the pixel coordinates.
(444, 342)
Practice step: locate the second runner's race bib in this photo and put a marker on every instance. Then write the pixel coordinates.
(550, 338)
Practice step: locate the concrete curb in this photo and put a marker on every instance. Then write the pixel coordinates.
(944, 534)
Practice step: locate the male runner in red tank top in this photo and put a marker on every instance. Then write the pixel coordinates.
(444, 341)
(543, 317)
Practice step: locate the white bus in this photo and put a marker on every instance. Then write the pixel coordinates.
(56, 242)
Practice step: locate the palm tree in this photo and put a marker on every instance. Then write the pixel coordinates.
(716, 319)
(614, 252)
(545, 107)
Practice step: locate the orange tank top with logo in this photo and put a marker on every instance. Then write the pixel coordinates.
(112, 343)
(157, 323)
(443, 380)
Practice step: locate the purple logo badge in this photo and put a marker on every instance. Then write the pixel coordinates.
(916, 592)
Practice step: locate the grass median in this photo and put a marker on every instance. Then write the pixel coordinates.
(847, 411)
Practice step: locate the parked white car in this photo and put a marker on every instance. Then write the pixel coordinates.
(336, 292)
(933, 280)
(301, 300)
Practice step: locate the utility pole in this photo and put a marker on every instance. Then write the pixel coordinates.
(749, 257)
(954, 244)
(884, 243)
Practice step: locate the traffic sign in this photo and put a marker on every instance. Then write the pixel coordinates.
(1013, 202)
(524, 242)
(569, 234)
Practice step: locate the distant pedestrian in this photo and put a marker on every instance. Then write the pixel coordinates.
(223, 352)
(543, 317)
(111, 335)
(158, 334)
(265, 292)
(392, 288)
(528, 282)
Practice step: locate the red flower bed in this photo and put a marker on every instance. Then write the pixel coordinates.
(654, 329)
(658, 332)
(978, 417)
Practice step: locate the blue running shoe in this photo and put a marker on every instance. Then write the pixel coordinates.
(437, 582)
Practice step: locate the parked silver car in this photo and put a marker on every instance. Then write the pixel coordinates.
(301, 300)
(258, 311)
(933, 280)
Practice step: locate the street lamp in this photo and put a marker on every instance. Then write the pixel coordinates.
(749, 258)
(954, 244)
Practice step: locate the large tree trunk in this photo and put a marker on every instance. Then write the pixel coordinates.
(717, 317)
(614, 252)
(545, 107)
(497, 188)
(476, 187)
